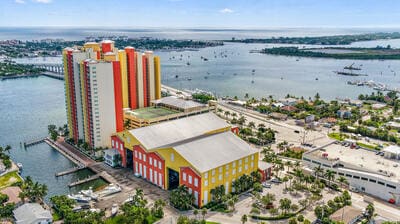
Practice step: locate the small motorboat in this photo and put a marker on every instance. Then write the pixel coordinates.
(111, 189)
(128, 200)
(20, 166)
(114, 209)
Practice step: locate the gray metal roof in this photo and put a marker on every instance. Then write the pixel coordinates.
(215, 150)
(173, 132)
(31, 213)
(177, 102)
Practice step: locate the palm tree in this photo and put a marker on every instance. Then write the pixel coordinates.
(244, 219)
(370, 211)
(252, 125)
(227, 113)
(329, 174)
(195, 213)
(288, 165)
(267, 199)
(234, 114)
(204, 212)
(318, 170)
(285, 179)
(285, 204)
(261, 127)
(7, 148)
(342, 180)
(219, 110)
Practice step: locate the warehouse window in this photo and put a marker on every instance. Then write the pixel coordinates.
(213, 172)
(151, 161)
(190, 179)
(220, 169)
(356, 177)
(381, 183)
(227, 167)
(220, 177)
(172, 157)
(391, 186)
(184, 176)
(159, 165)
(196, 182)
(372, 180)
(363, 178)
(206, 183)
(206, 175)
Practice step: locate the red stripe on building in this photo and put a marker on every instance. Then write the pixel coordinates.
(106, 47)
(72, 95)
(150, 166)
(132, 83)
(98, 55)
(145, 76)
(119, 119)
(119, 145)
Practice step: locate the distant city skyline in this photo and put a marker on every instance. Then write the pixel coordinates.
(196, 14)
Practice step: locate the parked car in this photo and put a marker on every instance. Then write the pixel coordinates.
(275, 180)
(266, 185)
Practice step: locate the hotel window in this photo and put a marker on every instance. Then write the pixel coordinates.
(184, 176)
(151, 161)
(220, 177)
(196, 182)
(190, 179)
(213, 172)
(172, 157)
(159, 165)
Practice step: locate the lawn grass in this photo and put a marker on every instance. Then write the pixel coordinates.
(368, 146)
(9, 178)
(210, 222)
(336, 135)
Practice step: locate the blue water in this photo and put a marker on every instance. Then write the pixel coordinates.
(27, 106)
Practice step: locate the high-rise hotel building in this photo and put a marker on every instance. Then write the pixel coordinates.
(100, 81)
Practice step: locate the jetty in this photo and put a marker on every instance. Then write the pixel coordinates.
(34, 142)
(72, 170)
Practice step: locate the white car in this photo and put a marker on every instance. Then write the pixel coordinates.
(266, 185)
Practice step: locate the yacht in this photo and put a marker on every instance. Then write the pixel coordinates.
(79, 198)
(111, 189)
(20, 166)
(89, 193)
(114, 209)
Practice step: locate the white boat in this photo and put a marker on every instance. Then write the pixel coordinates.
(89, 193)
(20, 166)
(79, 198)
(111, 189)
(114, 209)
(128, 200)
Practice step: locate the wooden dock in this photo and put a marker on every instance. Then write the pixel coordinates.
(91, 178)
(34, 142)
(72, 170)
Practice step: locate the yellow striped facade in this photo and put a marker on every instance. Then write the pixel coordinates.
(157, 73)
(124, 76)
(84, 102)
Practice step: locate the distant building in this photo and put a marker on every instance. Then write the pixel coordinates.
(344, 114)
(289, 101)
(378, 106)
(392, 152)
(347, 215)
(393, 125)
(278, 116)
(357, 103)
(12, 193)
(278, 105)
(310, 118)
(32, 213)
(100, 81)
(289, 108)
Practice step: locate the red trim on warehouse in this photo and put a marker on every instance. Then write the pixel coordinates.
(150, 166)
(118, 144)
(106, 47)
(192, 180)
(132, 82)
(119, 119)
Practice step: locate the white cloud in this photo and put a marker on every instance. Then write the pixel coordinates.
(226, 10)
(42, 1)
(20, 1)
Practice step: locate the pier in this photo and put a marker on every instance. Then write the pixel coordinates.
(102, 175)
(34, 142)
(72, 170)
(53, 75)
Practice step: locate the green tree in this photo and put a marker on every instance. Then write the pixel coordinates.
(181, 199)
(204, 213)
(285, 204)
(267, 200)
(244, 219)
(370, 211)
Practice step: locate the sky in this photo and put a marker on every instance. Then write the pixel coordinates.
(200, 13)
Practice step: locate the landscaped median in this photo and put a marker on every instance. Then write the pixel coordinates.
(278, 217)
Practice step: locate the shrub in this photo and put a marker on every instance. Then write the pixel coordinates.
(300, 218)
